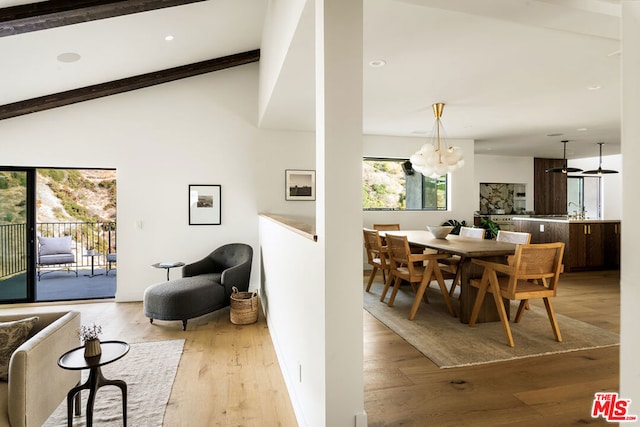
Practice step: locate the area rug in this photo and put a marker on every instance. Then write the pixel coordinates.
(149, 370)
(449, 343)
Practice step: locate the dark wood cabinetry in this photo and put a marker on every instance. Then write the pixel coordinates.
(590, 245)
(549, 188)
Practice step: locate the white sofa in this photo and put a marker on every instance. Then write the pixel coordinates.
(37, 385)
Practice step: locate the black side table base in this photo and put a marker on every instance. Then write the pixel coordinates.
(93, 383)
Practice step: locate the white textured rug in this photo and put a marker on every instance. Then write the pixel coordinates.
(149, 370)
(449, 343)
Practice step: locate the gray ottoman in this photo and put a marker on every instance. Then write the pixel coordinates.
(185, 298)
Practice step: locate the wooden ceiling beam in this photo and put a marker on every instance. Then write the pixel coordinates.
(124, 85)
(57, 13)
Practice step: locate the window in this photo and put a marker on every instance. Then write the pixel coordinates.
(390, 184)
(583, 196)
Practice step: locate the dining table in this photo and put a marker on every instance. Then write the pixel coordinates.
(467, 249)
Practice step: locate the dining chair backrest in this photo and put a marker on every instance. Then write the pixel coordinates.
(386, 227)
(541, 262)
(373, 246)
(398, 252)
(472, 232)
(513, 237)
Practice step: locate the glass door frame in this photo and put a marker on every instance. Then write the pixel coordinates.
(30, 209)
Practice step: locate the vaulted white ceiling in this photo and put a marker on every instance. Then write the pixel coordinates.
(511, 72)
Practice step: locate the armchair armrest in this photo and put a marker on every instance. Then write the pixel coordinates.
(426, 257)
(502, 268)
(37, 384)
(204, 266)
(237, 276)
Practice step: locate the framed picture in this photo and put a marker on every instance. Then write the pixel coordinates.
(300, 184)
(204, 204)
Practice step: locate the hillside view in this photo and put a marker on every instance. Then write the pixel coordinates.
(82, 195)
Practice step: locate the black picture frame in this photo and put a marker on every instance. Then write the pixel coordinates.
(205, 206)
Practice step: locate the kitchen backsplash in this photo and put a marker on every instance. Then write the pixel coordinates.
(502, 198)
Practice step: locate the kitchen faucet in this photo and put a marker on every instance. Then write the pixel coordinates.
(581, 211)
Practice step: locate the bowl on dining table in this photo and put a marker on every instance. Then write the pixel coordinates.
(440, 231)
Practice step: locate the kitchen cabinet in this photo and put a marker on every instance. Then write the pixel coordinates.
(549, 188)
(590, 244)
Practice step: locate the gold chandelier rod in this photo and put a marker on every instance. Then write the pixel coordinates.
(437, 111)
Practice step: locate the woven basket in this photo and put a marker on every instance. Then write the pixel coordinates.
(244, 307)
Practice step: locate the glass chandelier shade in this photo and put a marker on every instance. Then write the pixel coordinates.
(432, 159)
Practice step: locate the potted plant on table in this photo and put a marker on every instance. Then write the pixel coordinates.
(90, 337)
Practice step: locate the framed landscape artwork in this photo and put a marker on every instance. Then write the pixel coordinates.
(300, 184)
(204, 204)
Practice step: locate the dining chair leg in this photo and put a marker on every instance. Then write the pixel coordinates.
(482, 291)
(371, 277)
(497, 297)
(443, 288)
(387, 284)
(456, 279)
(396, 286)
(552, 319)
(524, 304)
(386, 288)
(426, 279)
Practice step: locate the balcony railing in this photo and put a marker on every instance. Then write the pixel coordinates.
(100, 236)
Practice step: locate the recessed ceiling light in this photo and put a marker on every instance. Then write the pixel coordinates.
(169, 38)
(594, 87)
(581, 129)
(69, 57)
(376, 63)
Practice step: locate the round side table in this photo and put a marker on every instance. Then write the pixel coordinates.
(75, 360)
(167, 266)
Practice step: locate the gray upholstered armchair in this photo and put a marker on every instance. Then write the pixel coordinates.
(206, 285)
(229, 265)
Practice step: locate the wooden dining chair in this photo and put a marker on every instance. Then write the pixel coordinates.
(376, 256)
(411, 267)
(386, 227)
(517, 237)
(534, 273)
(452, 262)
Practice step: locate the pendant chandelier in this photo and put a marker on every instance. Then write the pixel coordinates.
(600, 171)
(432, 159)
(564, 169)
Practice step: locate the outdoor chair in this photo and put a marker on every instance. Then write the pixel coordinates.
(410, 267)
(111, 258)
(55, 253)
(533, 273)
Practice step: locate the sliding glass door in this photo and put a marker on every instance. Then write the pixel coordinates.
(16, 234)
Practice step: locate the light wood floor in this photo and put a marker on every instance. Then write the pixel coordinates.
(229, 375)
(404, 388)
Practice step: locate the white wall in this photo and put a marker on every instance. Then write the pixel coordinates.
(293, 297)
(276, 152)
(160, 139)
(630, 268)
(506, 169)
(280, 24)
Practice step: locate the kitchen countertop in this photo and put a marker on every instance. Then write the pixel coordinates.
(562, 218)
